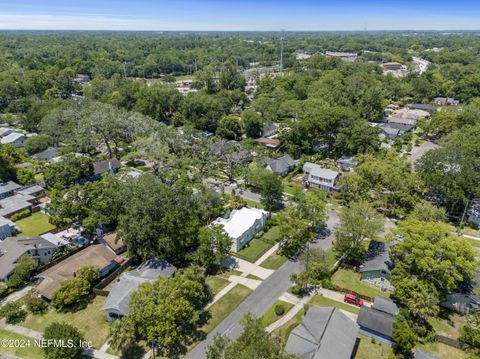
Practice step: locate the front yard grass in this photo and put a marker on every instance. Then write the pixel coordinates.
(443, 351)
(90, 320)
(272, 236)
(34, 225)
(31, 352)
(216, 284)
(271, 317)
(366, 348)
(351, 280)
(322, 301)
(274, 262)
(254, 250)
(284, 331)
(224, 306)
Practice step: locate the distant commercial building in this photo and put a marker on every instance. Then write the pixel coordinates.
(347, 56)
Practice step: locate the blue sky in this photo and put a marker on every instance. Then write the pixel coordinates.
(240, 15)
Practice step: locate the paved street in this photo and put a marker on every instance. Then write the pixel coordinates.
(263, 297)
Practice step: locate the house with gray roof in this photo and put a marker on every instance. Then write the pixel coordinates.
(423, 107)
(116, 305)
(420, 354)
(386, 305)
(7, 189)
(15, 139)
(12, 248)
(377, 265)
(319, 177)
(16, 203)
(47, 155)
(7, 228)
(280, 166)
(376, 324)
(324, 333)
(5, 131)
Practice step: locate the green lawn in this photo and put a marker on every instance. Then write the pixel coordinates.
(34, 225)
(274, 262)
(473, 242)
(254, 250)
(216, 284)
(443, 351)
(272, 235)
(351, 280)
(253, 204)
(447, 324)
(225, 305)
(284, 331)
(366, 348)
(322, 301)
(90, 320)
(271, 317)
(31, 352)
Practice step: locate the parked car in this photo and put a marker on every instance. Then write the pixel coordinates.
(353, 299)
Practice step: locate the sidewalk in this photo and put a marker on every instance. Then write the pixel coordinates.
(266, 255)
(292, 312)
(16, 295)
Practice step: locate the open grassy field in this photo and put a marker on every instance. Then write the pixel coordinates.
(34, 225)
(271, 317)
(89, 319)
(351, 280)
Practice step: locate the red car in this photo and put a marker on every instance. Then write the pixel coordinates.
(353, 299)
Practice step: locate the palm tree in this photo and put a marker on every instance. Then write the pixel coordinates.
(122, 334)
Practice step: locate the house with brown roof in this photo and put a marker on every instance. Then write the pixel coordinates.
(272, 143)
(99, 256)
(111, 240)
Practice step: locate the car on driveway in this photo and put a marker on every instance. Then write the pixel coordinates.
(353, 299)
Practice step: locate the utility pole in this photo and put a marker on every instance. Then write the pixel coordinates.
(281, 52)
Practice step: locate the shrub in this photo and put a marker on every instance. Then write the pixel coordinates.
(35, 304)
(71, 291)
(3, 289)
(279, 309)
(20, 215)
(90, 274)
(13, 313)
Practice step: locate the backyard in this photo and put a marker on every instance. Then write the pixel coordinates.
(88, 318)
(34, 225)
(367, 348)
(351, 280)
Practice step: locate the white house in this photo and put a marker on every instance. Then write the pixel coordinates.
(318, 177)
(15, 139)
(242, 225)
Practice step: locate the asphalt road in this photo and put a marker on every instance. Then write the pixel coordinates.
(264, 296)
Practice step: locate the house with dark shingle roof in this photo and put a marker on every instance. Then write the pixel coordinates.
(376, 324)
(386, 305)
(47, 155)
(377, 265)
(280, 166)
(7, 189)
(324, 333)
(116, 305)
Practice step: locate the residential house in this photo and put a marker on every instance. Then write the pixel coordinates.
(392, 130)
(111, 240)
(5, 131)
(269, 129)
(392, 66)
(107, 166)
(407, 116)
(32, 190)
(242, 225)
(281, 166)
(47, 155)
(376, 324)
(324, 333)
(116, 305)
(446, 101)
(12, 248)
(7, 228)
(377, 265)
(96, 255)
(15, 139)
(386, 305)
(271, 143)
(82, 78)
(474, 212)
(346, 163)
(318, 177)
(16, 203)
(418, 152)
(7, 189)
(463, 303)
(346, 56)
(423, 107)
